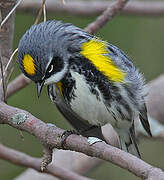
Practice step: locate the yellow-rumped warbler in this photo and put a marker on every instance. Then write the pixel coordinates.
(91, 82)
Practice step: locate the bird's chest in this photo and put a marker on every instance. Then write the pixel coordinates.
(87, 101)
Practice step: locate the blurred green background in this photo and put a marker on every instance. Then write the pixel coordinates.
(141, 38)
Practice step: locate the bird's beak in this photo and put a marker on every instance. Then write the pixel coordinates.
(39, 88)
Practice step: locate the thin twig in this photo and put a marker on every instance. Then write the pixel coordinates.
(44, 13)
(10, 73)
(107, 15)
(2, 79)
(4, 74)
(8, 65)
(10, 13)
(40, 12)
(10, 60)
(0, 16)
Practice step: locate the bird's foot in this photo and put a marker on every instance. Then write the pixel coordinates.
(93, 140)
(65, 135)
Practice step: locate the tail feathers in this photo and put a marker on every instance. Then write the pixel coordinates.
(128, 142)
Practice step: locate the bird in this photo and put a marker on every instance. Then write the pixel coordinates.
(91, 82)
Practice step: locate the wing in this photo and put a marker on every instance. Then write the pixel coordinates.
(136, 79)
(144, 119)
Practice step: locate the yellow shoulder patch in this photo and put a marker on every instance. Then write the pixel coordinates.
(96, 51)
(28, 64)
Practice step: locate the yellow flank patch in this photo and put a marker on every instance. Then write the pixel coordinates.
(59, 85)
(28, 64)
(96, 51)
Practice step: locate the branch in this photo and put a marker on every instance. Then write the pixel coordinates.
(6, 31)
(88, 8)
(25, 160)
(6, 40)
(51, 137)
(72, 161)
(155, 102)
(155, 99)
(17, 84)
(107, 15)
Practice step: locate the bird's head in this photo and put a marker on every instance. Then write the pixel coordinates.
(42, 54)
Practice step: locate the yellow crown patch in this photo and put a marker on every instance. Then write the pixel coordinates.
(28, 64)
(96, 51)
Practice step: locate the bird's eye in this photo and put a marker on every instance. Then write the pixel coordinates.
(50, 68)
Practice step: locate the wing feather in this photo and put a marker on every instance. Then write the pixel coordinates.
(144, 119)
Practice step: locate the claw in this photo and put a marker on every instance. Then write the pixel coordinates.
(65, 135)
